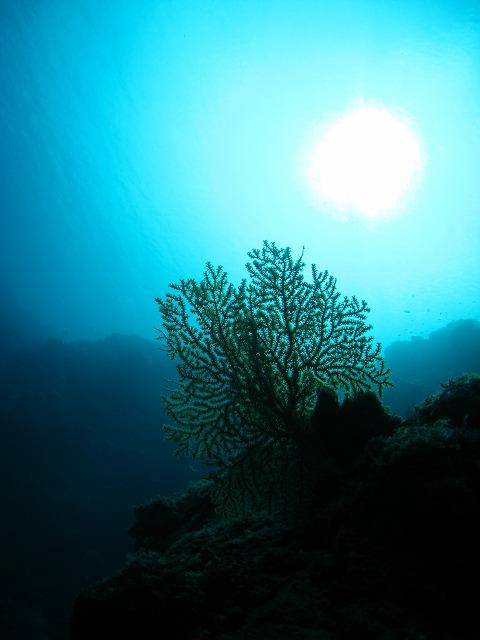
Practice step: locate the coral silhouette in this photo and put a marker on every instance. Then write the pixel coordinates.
(252, 360)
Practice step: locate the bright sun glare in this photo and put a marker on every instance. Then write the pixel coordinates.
(365, 161)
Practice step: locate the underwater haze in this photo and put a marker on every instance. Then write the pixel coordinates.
(141, 139)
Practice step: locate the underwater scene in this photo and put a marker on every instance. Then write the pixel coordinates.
(240, 319)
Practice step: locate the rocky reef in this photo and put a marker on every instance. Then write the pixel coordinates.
(385, 548)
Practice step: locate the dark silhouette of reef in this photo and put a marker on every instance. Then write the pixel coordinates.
(385, 548)
(81, 444)
(420, 365)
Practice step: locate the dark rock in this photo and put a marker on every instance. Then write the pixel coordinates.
(458, 401)
(388, 552)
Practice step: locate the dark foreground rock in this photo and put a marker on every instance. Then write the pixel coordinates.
(388, 552)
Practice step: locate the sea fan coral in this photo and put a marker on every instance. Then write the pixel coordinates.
(251, 361)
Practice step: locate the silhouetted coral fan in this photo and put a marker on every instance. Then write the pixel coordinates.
(252, 362)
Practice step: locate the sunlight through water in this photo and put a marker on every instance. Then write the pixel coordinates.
(366, 161)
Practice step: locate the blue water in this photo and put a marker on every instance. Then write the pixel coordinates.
(141, 139)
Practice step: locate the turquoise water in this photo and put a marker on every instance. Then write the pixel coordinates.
(141, 139)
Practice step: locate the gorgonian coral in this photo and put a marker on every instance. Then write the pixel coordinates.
(251, 360)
